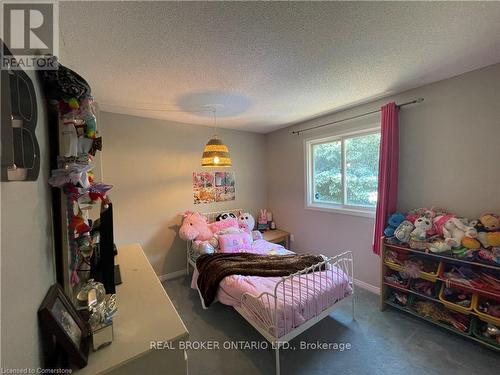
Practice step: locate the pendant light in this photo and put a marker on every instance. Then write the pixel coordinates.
(216, 153)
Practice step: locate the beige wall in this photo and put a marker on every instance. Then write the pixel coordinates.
(449, 158)
(150, 163)
(26, 256)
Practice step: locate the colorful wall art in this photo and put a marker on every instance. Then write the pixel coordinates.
(209, 187)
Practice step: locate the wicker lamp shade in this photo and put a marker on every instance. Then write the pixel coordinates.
(216, 154)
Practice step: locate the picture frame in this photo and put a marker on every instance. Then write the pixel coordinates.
(61, 324)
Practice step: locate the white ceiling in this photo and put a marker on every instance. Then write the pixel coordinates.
(268, 64)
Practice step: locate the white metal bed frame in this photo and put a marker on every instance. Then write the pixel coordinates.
(262, 311)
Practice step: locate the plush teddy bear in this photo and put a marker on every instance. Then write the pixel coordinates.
(422, 225)
(489, 233)
(394, 220)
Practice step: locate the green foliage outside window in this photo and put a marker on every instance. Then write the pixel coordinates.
(361, 162)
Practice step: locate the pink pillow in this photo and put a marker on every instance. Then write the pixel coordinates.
(223, 224)
(235, 243)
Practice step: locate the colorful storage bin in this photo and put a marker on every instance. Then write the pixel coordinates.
(484, 316)
(477, 331)
(393, 266)
(434, 287)
(398, 297)
(432, 275)
(428, 314)
(456, 307)
(390, 280)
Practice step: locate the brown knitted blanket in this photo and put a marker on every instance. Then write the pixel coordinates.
(212, 268)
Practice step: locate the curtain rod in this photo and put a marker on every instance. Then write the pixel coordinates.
(297, 132)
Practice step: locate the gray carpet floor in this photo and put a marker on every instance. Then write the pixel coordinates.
(389, 342)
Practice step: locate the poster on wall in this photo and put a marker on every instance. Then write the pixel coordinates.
(209, 187)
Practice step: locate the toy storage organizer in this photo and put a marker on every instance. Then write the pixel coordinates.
(426, 289)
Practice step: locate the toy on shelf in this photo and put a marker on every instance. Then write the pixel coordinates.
(394, 221)
(489, 307)
(439, 313)
(457, 296)
(398, 298)
(424, 287)
(488, 332)
(447, 234)
(262, 223)
(403, 231)
(446, 269)
(453, 230)
(489, 234)
(472, 278)
(422, 226)
(399, 279)
(491, 255)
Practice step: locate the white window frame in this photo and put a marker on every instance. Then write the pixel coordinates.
(348, 209)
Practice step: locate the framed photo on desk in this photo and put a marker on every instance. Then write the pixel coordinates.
(63, 327)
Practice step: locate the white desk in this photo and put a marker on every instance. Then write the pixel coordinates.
(145, 314)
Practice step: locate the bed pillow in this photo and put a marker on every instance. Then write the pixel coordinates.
(217, 226)
(235, 243)
(231, 230)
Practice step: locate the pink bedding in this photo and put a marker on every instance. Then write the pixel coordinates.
(324, 288)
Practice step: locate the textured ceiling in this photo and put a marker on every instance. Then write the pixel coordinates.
(268, 64)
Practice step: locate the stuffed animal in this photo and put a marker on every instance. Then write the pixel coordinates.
(430, 213)
(206, 247)
(225, 216)
(489, 232)
(195, 227)
(470, 242)
(394, 220)
(439, 246)
(217, 226)
(489, 239)
(422, 225)
(263, 216)
(246, 221)
(403, 231)
(490, 222)
(453, 229)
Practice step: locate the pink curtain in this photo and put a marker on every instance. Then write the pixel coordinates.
(387, 170)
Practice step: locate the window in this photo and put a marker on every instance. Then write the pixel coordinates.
(342, 172)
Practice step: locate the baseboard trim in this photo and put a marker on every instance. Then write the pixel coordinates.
(172, 275)
(366, 286)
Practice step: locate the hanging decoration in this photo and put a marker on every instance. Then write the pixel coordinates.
(215, 153)
(74, 174)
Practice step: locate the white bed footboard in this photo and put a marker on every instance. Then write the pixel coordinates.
(300, 300)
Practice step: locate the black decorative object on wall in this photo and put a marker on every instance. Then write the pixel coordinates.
(19, 117)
